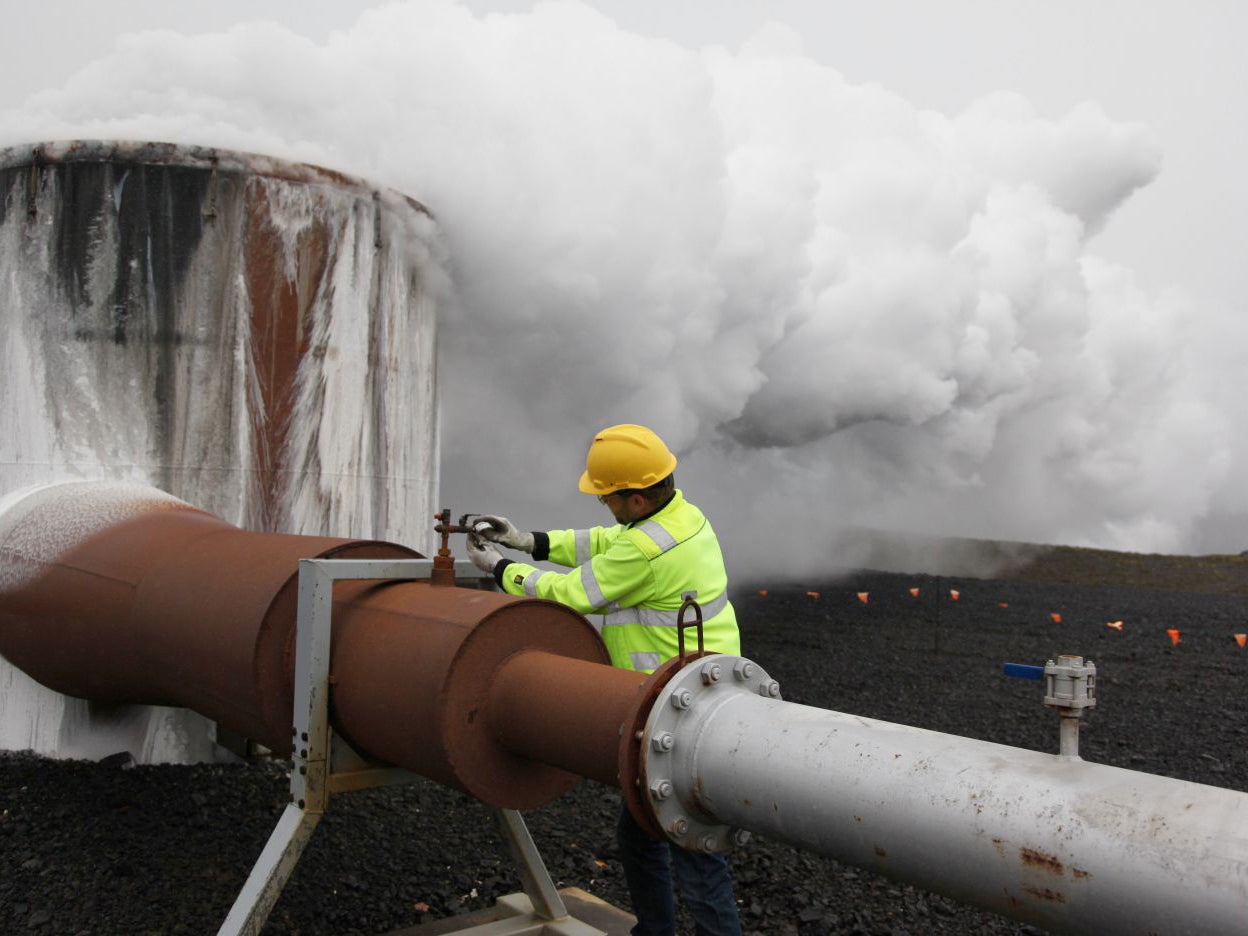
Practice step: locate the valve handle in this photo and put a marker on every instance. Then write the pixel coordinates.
(1023, 671)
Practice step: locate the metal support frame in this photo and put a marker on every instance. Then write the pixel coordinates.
(324, 764)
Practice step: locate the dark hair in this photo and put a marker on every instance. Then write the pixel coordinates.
(658, 493)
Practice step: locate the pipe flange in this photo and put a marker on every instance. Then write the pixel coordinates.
(668, 773)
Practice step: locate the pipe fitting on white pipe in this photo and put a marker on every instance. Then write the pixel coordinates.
(1055, 841)
(688, 702)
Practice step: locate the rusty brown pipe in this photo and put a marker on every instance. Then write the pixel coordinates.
(563, 725)
(414, 666)
(122, 594)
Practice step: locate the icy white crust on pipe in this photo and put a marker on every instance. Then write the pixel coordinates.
(42, 522)
(1056, 841)
(38, 524)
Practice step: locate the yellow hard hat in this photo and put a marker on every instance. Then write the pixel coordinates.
(625, 456)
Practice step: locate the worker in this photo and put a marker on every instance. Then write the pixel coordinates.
(636, 575)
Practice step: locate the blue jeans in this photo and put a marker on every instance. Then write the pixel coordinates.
(704, 881)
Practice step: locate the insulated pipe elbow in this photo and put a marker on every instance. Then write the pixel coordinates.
(121, 593)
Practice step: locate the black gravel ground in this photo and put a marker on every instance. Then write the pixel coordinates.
(102, 848)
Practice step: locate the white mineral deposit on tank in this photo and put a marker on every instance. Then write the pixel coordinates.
(135, 346)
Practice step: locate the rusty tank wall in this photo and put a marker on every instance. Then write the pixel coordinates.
(250, 335)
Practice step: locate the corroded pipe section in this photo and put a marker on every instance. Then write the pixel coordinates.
(413, 667)
(120, 593)
(563, 725)
(1058, 842)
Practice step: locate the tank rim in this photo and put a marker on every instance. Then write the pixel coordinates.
(194, 156)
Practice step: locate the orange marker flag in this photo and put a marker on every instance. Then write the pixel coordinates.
(763, 592)
(862, 596)
(1005, 604)
(814, 595)
(1116, 625)
(914, 593)
(954, 595)
(1057, 618)
(1241, 639)
(1173, 633)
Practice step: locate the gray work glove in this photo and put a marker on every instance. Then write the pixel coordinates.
(484, 556)
(501, 530)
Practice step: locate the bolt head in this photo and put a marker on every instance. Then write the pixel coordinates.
(661, 789)
(771, 689)
(682, 699)
(741, 836)
(708, 842)
(664, 741)
(678, 826)
(743, 670)
(711, 673)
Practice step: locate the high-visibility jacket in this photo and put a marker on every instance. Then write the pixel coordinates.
(636, 577)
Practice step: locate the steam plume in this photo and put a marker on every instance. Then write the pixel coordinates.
(839, 309)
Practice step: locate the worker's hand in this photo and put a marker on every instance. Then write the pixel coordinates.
(501, 530)
(484, 555)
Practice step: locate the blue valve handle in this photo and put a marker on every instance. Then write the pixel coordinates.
(1024, 671)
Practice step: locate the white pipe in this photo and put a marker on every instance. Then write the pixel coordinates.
(1055, 841)
(1068, 736)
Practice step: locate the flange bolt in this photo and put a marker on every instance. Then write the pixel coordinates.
(771, 688)
(708, 842)
(740, 837)
(743, 670)
(711, 673)
(664, 742)
(661, 789)
(678, 826)
(682, 699)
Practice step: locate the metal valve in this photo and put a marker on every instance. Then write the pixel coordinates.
(1069, 687)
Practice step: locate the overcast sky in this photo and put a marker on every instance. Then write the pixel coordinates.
(896, 281)
(1178, 66)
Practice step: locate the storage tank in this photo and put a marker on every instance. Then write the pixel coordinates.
(251, 335)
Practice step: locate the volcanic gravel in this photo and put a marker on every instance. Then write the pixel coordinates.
(106, 848)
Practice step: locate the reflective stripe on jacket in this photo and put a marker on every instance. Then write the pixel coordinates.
(636, 577)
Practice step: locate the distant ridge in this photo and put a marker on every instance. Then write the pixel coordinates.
(1072, 565)
(1058, 565)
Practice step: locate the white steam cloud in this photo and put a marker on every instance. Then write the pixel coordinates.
(840, 310)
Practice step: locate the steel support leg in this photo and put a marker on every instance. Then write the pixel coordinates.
(271, 871)
(322, 765)
(533, 874)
